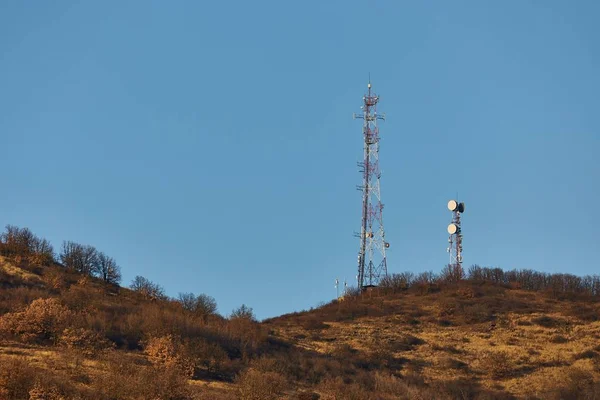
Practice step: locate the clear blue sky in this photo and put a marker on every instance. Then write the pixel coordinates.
(210, 146)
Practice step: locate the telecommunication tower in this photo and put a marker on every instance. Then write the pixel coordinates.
(455, 238)
(372, 262)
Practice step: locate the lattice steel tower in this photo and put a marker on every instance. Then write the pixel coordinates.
(455, 239)
(372, 262)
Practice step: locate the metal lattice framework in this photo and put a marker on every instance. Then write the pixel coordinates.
(372, 262)
(455, 238)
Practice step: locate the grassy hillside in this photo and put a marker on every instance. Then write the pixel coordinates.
(467, 339)
(67, 334)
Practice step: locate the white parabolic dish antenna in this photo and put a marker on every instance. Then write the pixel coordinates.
(452, 205)
(452, 229)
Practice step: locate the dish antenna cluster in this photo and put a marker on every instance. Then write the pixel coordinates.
(455, 231)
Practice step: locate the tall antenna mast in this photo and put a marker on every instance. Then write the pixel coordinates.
(372, 262)
(455, 238)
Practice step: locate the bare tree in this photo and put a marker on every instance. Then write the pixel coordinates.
(187, 301)
(79, 257)
(452, 273)
(425, 278)
(202, 304)
(475, 273)
(17, 241)
(243, 312)
(22, 243)
(43, 252)
(205, 304)
(147, 288)
(107, 269)
(396, 282)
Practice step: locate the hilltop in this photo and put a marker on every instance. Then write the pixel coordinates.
(69, 332)
(470, 339)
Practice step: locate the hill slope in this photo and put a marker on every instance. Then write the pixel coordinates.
(502, 340)
(71, 336)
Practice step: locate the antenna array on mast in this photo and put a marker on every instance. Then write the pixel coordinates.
(455, 238)
(372, 262)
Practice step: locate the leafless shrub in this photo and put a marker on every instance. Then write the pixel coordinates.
(147, 288)
(256, 385)
(426, 278)
(86, 340)
(313, 323)
(447, 348)
(587, 354)
(16, 379)
(405, 342)
(397, 282)
(125, 379)
(499, 364)
(20, 380)
(389, 384)
(308, 395)
(476, 313)
(546, 322)
(452, 273)
(54, 278)
(338, 388)
(558, 339)
(205, 355)
(452, 363)
(243, 312)
(464, 389)
(575, 384)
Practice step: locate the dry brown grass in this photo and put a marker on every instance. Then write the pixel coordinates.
(11, 270)
(67, 337)
(257, 385)
(512, 341)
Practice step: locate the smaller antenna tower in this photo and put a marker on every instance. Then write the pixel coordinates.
(455, 238)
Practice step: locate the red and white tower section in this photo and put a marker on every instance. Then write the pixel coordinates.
(372, 262)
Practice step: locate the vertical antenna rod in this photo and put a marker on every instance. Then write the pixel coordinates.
(372, 262)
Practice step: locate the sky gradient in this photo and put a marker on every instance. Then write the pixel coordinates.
(210, 146)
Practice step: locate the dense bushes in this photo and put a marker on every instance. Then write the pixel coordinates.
(89, 342)
(19, 380)
(555, 284)
(179, 344)
(42, 321)
(86, 316)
